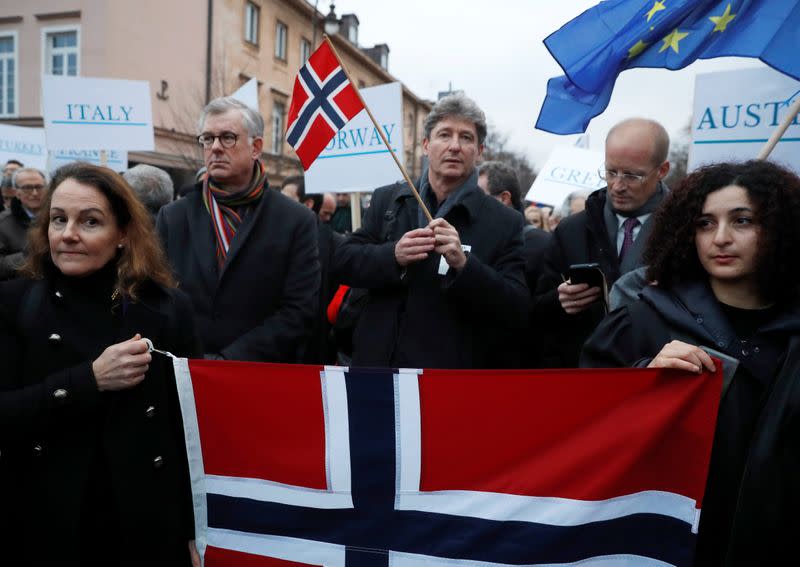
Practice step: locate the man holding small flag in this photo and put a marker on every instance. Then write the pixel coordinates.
(444, 266)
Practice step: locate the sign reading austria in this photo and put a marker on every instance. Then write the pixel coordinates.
(735, 113)
(88, 114)
(356, 159)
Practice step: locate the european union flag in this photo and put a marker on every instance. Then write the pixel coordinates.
(617, 35)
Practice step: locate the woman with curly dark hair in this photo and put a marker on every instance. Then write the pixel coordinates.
(722, 259)
(92, 461)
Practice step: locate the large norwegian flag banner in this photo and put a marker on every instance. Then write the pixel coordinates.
(323, 101)
(294, 466)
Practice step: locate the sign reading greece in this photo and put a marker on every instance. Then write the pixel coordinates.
(356, 159)
(23, 144)
(735, 113)
(89, 114)
(567, 169)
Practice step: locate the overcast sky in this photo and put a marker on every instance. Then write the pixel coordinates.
(494, 52)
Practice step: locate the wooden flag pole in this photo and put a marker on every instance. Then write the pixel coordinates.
(778, 133)
(103, 158)
(380, 131)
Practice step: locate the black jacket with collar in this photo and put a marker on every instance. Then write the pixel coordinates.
(260, 305)
(418, 318)
(13, 238)
(749, 514)
(57, 431)
(578, 239)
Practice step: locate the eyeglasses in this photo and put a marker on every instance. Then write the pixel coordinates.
(628, 178)
(226, 139)
(29, 188)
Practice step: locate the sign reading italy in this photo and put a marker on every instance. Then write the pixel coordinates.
(88, 114)
(735, 113)
(356, 159)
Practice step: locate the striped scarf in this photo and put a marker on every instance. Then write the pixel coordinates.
(228, 210)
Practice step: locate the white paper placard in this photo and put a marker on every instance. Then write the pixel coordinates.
(567, 169)
(23, 144)
(87, 114)
(356, 160)
(248, 94)
(735, 113)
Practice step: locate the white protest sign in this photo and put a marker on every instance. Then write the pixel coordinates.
(356, 160)
(248, 94)
(567, 169)
(88, 114)
(735, 113)
(115, 159)
(23, 144)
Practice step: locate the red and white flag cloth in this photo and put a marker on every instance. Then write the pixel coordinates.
(323, 101)
(294, 465)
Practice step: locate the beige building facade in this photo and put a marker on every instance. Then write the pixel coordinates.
(189, 51)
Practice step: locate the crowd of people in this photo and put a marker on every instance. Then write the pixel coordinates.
(101, 267)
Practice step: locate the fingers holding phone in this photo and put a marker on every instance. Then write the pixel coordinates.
(576, 298)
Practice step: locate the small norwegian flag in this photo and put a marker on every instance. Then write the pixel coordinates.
(323, 101)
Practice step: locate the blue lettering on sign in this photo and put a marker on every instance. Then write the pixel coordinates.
(357, 140)
(765, 113)
(99, 114)
(575, 177)
(22, 148)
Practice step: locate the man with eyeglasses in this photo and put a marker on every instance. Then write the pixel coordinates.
(245, 255)
(611, 231)
(6, 188)
(30, 191)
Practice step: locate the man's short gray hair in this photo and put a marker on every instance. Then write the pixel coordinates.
(565, 206)
(460, 106)
(152, 185)
(252, 120)
(41, 173)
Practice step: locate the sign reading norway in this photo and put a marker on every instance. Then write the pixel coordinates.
(735, 113)
(89, 114)
(356, 160)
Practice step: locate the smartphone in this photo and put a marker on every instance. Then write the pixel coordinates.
(586, 273)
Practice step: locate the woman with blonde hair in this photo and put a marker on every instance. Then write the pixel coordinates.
(92, 461)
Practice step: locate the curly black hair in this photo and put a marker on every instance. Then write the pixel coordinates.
(671, 255)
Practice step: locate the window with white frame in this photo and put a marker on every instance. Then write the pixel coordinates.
(8, 75)
(281, 33)
(278, 118)
(305, 50)
(61, 52)
(252, 16)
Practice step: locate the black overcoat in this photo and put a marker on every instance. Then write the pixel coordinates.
(417, 317)
(59, 435)
(749, 512)
(261, 304)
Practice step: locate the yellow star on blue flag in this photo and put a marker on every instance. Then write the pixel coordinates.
(617, 35)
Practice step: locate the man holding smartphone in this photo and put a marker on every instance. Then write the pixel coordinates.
(610, 232)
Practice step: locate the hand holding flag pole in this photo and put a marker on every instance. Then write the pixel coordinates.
(324, 99)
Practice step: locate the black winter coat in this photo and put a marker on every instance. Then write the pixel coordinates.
(418, 318)
(261, 304)
(578, 239)
(749, 514)
(73, 459)
(13, 239)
